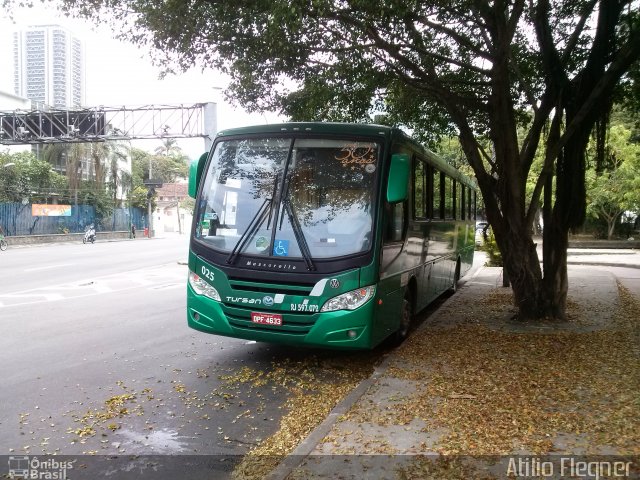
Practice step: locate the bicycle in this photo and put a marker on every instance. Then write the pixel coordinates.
(3, 243)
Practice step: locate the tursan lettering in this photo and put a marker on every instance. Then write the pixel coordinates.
(250, 301)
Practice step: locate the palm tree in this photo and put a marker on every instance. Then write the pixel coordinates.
(168, 148)
(99, 153)
(117, 151)
(72, 155)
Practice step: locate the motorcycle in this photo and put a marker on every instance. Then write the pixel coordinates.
(89, 235)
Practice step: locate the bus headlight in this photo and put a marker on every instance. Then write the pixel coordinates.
(203, 288)
(350, 300)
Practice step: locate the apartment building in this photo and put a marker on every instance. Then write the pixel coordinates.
(48, 65)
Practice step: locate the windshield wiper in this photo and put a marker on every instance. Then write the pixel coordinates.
(297, 231)
(254, 224)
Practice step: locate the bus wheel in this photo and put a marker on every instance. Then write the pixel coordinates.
(406, 316)
(456, 279)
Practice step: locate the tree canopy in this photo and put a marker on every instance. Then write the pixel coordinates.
(616, 190)
(23, 176)
(484, 71)
(164, 167)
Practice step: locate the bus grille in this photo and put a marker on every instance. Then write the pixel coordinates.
(292, 323)
(266, 288)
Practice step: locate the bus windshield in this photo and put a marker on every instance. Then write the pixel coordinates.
(308, 198)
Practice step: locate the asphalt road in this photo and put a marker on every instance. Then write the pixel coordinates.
(96, 358)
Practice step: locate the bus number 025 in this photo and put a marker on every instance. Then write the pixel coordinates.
(206, 273)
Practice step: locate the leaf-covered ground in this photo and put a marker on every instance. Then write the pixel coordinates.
(474, 383)
(499, 392)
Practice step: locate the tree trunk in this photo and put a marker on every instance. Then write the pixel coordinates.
(610, 229)
(537, 297)
(611, 224)
(556, 282)
(505, 278)
(523, 268)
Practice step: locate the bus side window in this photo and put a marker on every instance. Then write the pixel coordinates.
(470, 215)
(475, 205)
(419, 189)
(438, 188)
(395, 225)
(429, 191)
(449, 198)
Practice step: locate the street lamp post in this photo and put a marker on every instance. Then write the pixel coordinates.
(175, 191)
(9, 165)
(149, 209)
(131, 206)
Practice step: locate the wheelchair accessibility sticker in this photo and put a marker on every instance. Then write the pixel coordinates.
(281, 248)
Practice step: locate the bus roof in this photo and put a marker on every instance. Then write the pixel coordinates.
(313, 127)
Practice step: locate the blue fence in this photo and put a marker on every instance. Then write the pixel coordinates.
(16, 219)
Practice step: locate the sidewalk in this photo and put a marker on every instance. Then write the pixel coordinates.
(603, 257)
(76, 238)
(470, 381)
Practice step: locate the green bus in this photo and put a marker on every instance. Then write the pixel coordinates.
(323, 234)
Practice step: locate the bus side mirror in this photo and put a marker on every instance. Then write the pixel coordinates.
(195, 174)
(397, 188)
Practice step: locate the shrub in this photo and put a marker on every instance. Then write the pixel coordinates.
(493, 252)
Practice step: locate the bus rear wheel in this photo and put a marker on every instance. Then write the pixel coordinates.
(456, 279)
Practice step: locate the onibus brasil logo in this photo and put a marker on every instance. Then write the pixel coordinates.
(27, 467)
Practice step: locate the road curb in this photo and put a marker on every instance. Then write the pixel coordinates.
(304, 449)
(19, 246)
(603, 264)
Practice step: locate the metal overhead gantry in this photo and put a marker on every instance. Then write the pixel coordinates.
(99, 124)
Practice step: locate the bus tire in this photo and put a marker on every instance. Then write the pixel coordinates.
(456, 279)
(406, 319)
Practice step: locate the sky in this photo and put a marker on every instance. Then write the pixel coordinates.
(120, 74)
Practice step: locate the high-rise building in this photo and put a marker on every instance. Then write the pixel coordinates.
(49, 66)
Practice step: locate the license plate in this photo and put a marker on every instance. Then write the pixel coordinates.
(266, 318)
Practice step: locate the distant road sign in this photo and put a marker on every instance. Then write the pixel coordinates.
(153, 182)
